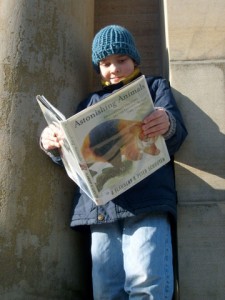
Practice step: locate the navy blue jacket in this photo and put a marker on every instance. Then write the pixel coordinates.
(155, 193)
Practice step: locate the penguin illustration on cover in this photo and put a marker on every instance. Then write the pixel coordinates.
(117, 142)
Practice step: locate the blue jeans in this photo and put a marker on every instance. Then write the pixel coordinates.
(132, 259)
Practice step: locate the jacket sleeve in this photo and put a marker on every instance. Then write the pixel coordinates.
(163, 97)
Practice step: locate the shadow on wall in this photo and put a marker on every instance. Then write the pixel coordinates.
(200, 164)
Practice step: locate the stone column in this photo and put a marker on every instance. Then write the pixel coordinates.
(45, 49)
(196, 44)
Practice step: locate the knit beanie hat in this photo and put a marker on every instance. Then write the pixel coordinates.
(113, 39)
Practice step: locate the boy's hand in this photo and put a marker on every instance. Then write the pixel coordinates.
(52, 137)
(157, 123)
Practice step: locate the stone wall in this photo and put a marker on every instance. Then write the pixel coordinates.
(45, 49)
(196, 43)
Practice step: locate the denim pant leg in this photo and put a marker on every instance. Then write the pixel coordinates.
(142, 247)
(147, 251)
(107, 262)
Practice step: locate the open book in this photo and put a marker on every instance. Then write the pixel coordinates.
(104, 150)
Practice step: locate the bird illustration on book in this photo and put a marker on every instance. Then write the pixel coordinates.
(117, 142)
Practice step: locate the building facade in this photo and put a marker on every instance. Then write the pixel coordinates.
(46, 49)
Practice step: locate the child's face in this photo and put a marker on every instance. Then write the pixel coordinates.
(116, 67)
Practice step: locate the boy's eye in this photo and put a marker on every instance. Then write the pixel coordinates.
(105, 64)
(121, 60)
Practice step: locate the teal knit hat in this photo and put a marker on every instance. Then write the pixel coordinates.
(113, 39)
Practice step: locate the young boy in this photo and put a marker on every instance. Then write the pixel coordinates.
(131, 236)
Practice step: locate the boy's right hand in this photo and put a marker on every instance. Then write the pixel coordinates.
(52, 137)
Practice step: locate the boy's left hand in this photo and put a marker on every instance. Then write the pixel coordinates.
(157, 123)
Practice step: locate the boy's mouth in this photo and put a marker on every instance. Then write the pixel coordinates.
(116, 79)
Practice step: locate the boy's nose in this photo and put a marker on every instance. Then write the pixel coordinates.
(114, 68)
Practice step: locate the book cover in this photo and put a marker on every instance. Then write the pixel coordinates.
(107, 145)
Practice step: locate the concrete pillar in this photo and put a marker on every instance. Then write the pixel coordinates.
(45, 49)
(196, 44)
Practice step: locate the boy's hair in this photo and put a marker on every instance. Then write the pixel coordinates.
(113, 39)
